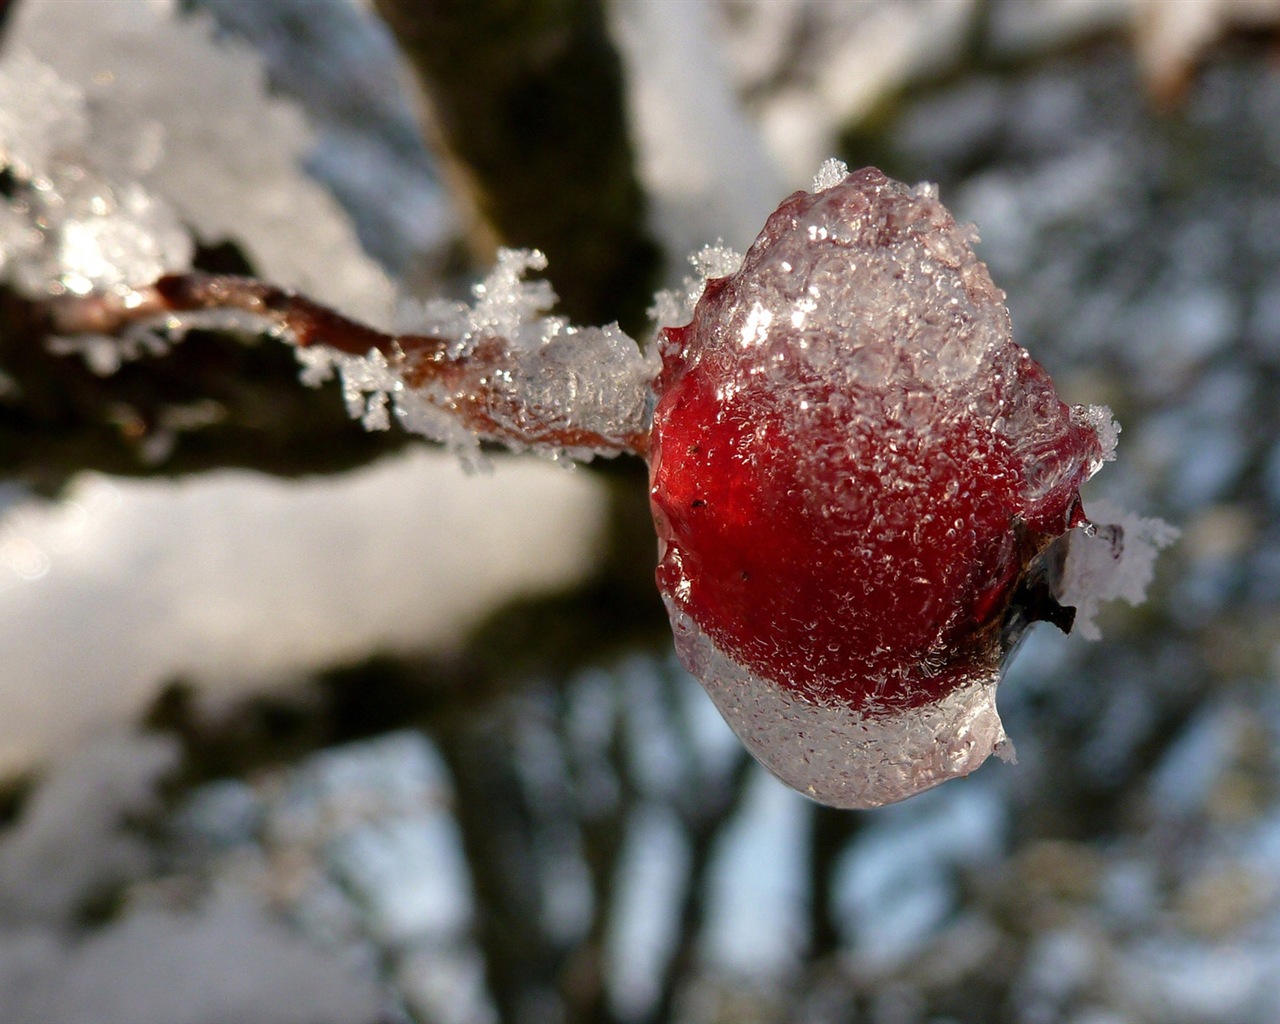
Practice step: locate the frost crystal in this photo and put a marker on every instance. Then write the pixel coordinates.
(672, 307)
(855, 472)
(831, 173)
(517, 375)
(1109, 562)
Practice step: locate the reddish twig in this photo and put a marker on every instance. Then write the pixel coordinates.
(467, 383)
(308, 322)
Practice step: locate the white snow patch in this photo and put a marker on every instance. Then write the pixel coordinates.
(235, 578)
(219, 958)
(702, 160)
(188, 119)
(70, 840)
(40, 114)
(228, 960)
(850, 55)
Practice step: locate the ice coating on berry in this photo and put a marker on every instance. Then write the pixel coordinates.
(854, 470)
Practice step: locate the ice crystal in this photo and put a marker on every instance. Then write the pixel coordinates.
(831, 173)
(1112, 561)
(675, 306)
(537, 381)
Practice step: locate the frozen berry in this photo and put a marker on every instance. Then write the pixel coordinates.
(854, 474)
(858, 479)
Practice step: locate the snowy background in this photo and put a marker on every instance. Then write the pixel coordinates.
(415, 747)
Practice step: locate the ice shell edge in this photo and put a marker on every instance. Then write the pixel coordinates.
(835, 754)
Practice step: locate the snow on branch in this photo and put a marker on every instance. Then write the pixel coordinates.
(499, 370)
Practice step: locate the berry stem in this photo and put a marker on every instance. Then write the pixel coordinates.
(457, 380)
(308, 322)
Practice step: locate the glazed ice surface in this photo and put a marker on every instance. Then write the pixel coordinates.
(852, 467)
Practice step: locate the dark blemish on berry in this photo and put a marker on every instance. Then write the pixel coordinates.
(697, 503)
(1035, 598)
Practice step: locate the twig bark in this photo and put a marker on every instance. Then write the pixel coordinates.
(214, 402)
(462, 383)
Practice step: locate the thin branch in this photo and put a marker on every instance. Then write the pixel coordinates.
(308, 322)
(465, 382)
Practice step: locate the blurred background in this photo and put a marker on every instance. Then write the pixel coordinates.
(301, 723)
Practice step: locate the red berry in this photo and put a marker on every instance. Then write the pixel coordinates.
(852, 468)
